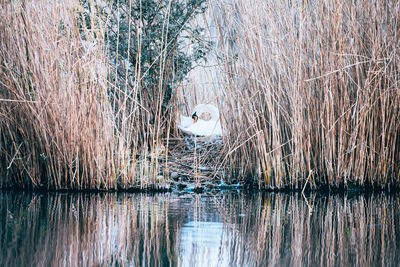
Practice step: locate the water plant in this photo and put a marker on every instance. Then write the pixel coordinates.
(86, 90)
(311, 91)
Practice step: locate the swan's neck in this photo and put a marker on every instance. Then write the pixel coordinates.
(200, 109)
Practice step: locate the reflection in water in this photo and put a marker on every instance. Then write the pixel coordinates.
(229, 229)
(202, 245)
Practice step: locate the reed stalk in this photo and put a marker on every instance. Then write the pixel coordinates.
(311, 91)
(64, 123)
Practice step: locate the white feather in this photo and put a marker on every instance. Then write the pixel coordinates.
(211, 127)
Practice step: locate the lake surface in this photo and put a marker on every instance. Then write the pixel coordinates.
(224, 229)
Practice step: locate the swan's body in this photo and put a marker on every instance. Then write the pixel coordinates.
(201, 127)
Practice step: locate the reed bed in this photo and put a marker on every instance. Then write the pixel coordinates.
(311, 91)
(65, 121)
(310, 98)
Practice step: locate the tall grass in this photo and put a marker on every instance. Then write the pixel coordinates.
(311, 97)
(63, 122)
(311, 91)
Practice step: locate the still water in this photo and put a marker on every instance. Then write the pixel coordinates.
(224, 229)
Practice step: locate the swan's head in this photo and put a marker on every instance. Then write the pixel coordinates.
(195, 117)
(205, 108)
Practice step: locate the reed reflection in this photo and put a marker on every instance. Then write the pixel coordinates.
(85, 230)
(229, 229)
(331, 230)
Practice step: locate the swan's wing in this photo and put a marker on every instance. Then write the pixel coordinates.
(185, 122)
(186, 131)
(204, 128)
(218, 129)
(215, 128)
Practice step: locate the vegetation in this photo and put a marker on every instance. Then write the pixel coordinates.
(70, 119)
(87, 91)
(312, 91)
(153, 47)
(57, 129)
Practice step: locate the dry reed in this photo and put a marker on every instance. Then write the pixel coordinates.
(63, 123)
(311, 98)
(311, 91)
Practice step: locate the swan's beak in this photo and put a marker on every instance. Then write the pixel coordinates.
(194, 117)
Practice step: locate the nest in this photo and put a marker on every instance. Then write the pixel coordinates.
(195, 159)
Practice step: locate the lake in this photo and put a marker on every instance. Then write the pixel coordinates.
(220, 229)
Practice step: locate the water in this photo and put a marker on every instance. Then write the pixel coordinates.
(226, 229)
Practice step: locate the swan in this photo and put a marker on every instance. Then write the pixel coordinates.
(196, 126)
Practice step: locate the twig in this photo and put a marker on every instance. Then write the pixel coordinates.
(304, 187)
(186, 165)
(16, 152)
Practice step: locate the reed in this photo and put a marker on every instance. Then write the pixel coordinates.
(311, 91)
(64, 123)
(311, 97)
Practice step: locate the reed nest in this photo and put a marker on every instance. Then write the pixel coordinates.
(194, 159)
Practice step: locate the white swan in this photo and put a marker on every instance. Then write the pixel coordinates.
(196, 126)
